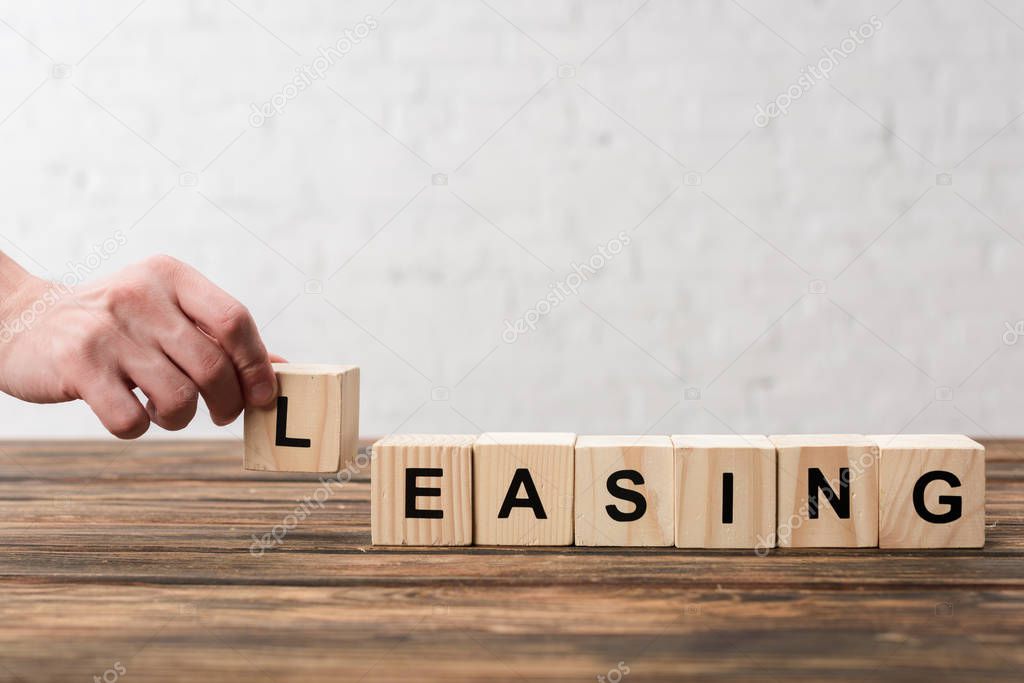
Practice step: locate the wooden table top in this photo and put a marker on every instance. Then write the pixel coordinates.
(135, 561)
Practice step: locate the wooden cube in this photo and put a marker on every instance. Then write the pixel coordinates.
(725, 491)
(827, 491)
(421, 490)
(931, 491)
(623, 491)
(523, 489)
(314, 425)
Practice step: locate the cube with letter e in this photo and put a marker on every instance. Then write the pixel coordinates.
(421, 490)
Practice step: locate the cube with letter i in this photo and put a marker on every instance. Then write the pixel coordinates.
(827, 491)
(421, 490)
(523, 489)
(725, 491)
(624, 494)
(931, 491)
(314, 424)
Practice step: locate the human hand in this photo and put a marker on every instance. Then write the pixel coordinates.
(158, 325)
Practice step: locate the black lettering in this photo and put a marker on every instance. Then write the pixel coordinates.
(816, 481)
(634, 497)
(281, 438)
(412, 492)
(726, 497)
(522, 478)
(955, 503)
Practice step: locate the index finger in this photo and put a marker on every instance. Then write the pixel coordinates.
(229, 323)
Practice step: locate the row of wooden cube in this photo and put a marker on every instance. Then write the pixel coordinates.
(712, 491)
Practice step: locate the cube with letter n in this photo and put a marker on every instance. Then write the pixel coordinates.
(827, 491)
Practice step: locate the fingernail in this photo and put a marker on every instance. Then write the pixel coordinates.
(262, 393)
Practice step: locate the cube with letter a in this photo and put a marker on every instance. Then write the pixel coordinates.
(827, 491)
(523, 488)
(421, 490)
(931, 491)
(314, 424)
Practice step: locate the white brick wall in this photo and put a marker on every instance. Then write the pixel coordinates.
(718, 291)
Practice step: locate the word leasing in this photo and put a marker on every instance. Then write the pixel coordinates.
(687, 491)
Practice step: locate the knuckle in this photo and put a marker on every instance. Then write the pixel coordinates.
(235, 321)
(226, 417)
(128, 425)
(127, 294)
(163, 264)
(212, 367)
(254, 370)
(96, 329)
(177, 410)
(182, 400)
(254, 366)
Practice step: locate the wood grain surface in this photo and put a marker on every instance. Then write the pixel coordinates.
(151, 555)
